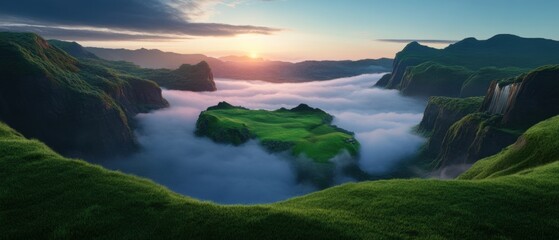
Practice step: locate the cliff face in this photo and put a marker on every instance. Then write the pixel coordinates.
(197, 77)
(507, 54)
(432, 79)
(74, 108)
(525, 100)
(536, 99)
(510, 107)
(474, 137)
(441, 113)
(383, 80)
(413, 54)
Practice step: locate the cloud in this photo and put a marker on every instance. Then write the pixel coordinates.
(140, 16)
(428, 41)
(84, 34)
(197, 167)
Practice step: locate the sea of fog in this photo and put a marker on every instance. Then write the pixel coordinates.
(172, 156)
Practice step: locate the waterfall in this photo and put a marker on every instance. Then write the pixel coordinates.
(502, 97)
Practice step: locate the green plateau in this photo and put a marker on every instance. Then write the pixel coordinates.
(302, 130)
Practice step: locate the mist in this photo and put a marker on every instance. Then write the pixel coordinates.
(172, 156)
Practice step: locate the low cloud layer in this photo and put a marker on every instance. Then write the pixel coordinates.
(143, 17)
(197, 167)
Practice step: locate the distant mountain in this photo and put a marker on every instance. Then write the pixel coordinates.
(421, 70)
(197, 76)
(239, 67)
(151, 58)
(240, 59)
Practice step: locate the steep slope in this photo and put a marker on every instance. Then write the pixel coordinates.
(43, 195)
(536, 147)
(197, 77)
(510, 107)
(440, 114)
(74, 107)
(508, 53)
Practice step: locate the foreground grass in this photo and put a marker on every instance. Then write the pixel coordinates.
(43, 195)
(302, 130)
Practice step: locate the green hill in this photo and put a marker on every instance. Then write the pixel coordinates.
(197, 77)
(75, 107)
(301, 130)
(43, 195)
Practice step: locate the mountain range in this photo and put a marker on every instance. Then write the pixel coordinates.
(467, 68)
(244, 68)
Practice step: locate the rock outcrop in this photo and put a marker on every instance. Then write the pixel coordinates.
(475, 136)
(75, 108)
(441, 113)
(510, 107)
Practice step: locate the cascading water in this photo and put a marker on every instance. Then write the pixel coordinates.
(502, 98)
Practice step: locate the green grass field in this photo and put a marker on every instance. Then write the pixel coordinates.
(305, 131)
(46, 196)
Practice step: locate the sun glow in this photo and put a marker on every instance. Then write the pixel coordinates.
(253, 55)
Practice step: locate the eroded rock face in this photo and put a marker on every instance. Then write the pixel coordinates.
(474, 137)
(441, 113)
(197, 77)
(537, 98)
(48, 95)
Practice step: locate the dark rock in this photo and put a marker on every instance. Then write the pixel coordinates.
(383, 81)
(48, 95)
(474, 137)
(440, 114)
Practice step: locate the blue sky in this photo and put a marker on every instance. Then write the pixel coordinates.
(279, 29)
(431, 19)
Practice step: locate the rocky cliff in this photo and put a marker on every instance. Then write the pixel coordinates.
(508, 54)
(475, 136)
(510, 107)
(75, 108)
(441, 113)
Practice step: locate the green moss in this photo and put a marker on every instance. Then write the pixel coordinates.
(433, 79)
(43, 195)
(304, 130)
(470, 104)
(478, 83)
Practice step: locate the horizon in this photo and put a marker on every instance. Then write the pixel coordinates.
(283, 30)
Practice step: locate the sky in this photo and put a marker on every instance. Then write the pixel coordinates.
(279, 29)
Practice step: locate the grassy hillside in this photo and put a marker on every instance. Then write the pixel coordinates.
(197, 77)
(537, 147)
(302, 130)
(75, 107)
(43, 195)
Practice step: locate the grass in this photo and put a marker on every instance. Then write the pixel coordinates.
(197, 77)
(538, 146)
(305, 131)
(46, 196)
(434, 79)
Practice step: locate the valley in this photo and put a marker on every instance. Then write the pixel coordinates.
(250, 119)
